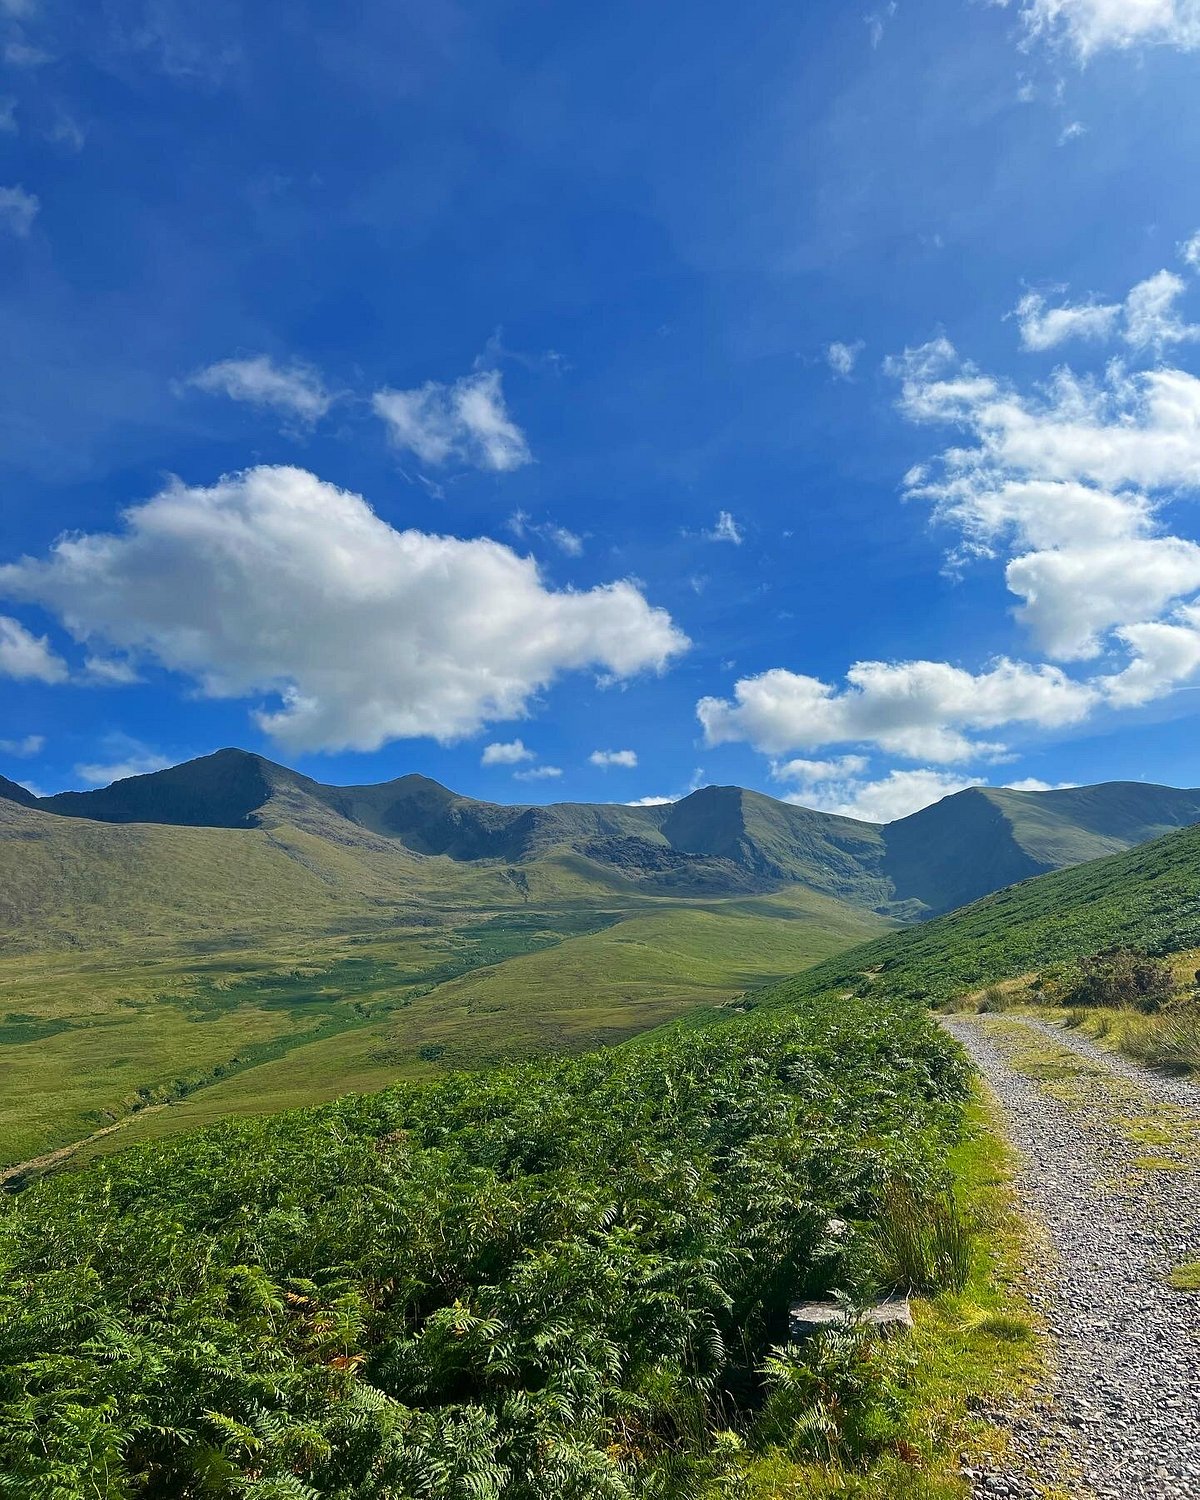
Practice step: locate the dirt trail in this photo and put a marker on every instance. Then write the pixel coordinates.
(11, 1176)
(1111, 1170)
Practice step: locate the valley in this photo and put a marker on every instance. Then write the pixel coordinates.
(230, 937)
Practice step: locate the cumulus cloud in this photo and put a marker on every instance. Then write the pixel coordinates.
(1070, 481)
(893, 796)
(841, 358)
(28, 657)
(1189, 251)
(538, 773)
(1148, 319)
(812, 771)
(627, 759)
(1045, 328)
(726, 530)
(294, 389)
(506, 753)
(923, 710)
(272, 582)
(466, 423)
(18, 209)
(1091, 26)
(22, 749)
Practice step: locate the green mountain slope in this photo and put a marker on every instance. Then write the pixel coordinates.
(263, 965)
(1147, 898)
(985, 838)
(232, 933)
(717, 841)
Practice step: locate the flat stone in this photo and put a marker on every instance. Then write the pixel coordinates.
(807, 1318)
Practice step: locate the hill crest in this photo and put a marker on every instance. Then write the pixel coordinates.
(719, 839)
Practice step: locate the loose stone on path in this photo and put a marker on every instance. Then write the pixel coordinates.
(1125, 1402)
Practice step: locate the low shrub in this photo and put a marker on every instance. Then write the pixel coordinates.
(1119, 978)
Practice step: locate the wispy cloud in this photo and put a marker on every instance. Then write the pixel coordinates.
(23, 749)
(842, 358)
(129, 757)
(18, 209)
(522, 525)
(465, 423)
(726, 530)
(295, 389)
(538, 773)
(1090, 26)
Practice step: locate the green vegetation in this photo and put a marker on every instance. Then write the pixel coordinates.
(1143, 899)
(1120, 978)
(557, 1279)
(296, 1019)
(1185, 1278)
(230, 937)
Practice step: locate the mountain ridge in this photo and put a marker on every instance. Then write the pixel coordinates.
(718, 839)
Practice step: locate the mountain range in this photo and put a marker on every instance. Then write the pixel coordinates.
(231, 936)
(718, 840)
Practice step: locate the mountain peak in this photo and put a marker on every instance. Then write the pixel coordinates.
(11, 791)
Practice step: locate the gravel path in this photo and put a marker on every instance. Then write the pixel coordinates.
(1112, 1173)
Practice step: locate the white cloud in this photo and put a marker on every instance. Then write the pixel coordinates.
(1189, 251)
(922, 710)
(1032, 784)
(652, 802)
(110, 671)
(274, 582)
(464, 423)
(18, 209)
(137, 760)
(1046, 328)
(1151, 319)
(1148, 318)
(627, 759)
(521, 524)
(295, 389)
(28, 657)
(726, 530)
(1075, 595)
(22, 749)
(24, 55)
(841, 358)
(508, 753)
(538, 773)
(1070, 482)
(893, 796)
(811, 771)
(877, 21)
(1091, 26)
(8, 116)
(1071, 132)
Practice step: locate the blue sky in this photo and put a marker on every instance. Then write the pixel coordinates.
(805, 397)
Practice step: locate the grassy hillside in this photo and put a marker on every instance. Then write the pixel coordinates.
(558, 1280)
(985, 838)
(248, 969)
(1148, 898)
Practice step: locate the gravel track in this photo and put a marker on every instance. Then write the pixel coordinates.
(1111, 1171)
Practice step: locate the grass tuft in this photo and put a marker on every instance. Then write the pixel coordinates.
(1185, 1278)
